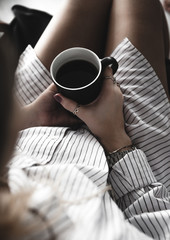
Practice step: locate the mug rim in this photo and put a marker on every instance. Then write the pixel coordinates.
(71, 49)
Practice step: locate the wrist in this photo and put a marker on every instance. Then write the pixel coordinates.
(117, 155)
(117, 142)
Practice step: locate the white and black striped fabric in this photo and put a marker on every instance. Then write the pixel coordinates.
(146, 109)
(73, 167)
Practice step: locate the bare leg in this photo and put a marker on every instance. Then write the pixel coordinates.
(143, 22)
(80, 23)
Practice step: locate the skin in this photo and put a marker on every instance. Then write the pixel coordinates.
(144, 23)
(106, 127)
(46, 111)
(65, 30)
(145, 28)
(104, 116)
(166, 4)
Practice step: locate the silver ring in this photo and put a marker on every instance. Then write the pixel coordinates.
(76, 110)
(113, 80)
(109, 77)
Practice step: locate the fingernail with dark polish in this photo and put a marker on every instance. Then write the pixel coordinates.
(58, 98)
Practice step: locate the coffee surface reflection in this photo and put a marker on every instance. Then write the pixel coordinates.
(77, 73)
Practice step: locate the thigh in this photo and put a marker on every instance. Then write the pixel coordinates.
(144, 24)
(80, 23)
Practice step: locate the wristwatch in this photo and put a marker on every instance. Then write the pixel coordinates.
(115, 156)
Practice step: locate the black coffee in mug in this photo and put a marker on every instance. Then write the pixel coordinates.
(77, 73)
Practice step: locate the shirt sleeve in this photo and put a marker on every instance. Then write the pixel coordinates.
(141, 203)
(144, 201)
(63, 210)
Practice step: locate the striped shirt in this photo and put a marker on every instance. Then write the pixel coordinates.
(69, 172)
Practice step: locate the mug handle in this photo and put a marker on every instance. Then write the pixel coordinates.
(110, 60)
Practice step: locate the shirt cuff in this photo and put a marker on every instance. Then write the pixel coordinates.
(131, 173)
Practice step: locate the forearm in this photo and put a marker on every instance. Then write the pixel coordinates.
(130, 173)
(136, 191)
(133, 181)
(116, 141)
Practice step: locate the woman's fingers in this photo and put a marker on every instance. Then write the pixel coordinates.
(108, 101)
(68, 104)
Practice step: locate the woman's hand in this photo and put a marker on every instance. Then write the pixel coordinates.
(104, 116)
(45, 111)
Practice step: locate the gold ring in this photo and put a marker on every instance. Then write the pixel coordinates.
(76, 110)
